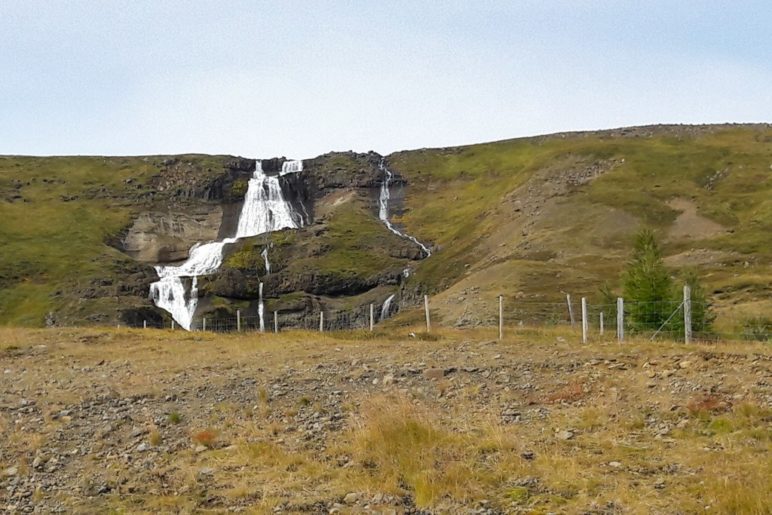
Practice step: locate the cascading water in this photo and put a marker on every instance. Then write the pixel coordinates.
(383, 214)
(383, 211)
(264, 210)
(291, 167)
(386, 306)
(264, 253)
(261, 309)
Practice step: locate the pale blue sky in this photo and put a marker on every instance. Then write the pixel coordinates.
(301, 78)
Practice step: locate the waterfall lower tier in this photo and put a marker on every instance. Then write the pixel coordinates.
(171, 294)
(264, 253)
(386, 307)
(265, 210)
(261, 309)
(383, 208)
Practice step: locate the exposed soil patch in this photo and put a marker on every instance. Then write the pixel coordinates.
(690, 225)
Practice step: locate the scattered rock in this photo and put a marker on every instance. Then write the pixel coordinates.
(566, 434)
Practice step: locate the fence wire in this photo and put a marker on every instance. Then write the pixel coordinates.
(649, 320)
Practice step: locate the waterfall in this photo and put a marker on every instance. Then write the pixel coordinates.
(291, 167)
(385, 308)
(264, 210)
(264, 253)
(261, 309)
(383, 208)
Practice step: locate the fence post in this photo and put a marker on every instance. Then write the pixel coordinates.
(238, 320)
(501, 317)
(620, 319)
(601, 323)
(570, 309)
(144, 324)
(687, 313)
(172, 324)
(204, 325)
(275, 322)
(321, 321)
(584, 320)
(426, 310)
(372, 317)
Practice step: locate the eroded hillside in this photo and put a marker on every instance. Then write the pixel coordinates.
(529, 218)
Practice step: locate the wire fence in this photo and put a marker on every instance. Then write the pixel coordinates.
(683, 320)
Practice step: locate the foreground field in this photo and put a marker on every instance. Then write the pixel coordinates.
(154, 421)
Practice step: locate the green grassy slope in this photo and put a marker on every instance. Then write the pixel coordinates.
(56, 216)
(483, 204)
(534, 215)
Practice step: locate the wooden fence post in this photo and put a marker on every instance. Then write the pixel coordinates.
(321, 321)
(372, 317)
(238, 320)
(426, 309)
(172, 324)
(601, 323)
(275, 322)
(620, 319)
(687, 314)
(584, 320)
(501, 317)
(204, 325)
(144, 324)
(570, 309)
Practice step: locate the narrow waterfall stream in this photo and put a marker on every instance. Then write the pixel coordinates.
(383, 211)
(264, 253)
(264, 210)
(383, 214)
(386, 306)
(261, 308)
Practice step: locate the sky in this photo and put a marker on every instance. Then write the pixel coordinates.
(301, 78)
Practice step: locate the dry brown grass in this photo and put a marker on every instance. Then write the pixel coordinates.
(442, 444)
(207, 438)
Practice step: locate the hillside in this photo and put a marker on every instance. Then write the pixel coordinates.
(529, 218)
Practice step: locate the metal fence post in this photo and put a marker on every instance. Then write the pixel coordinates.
(372, 317)
(570, 309)
(321, 321)
(584, 320)
(426, 309)
(687, 313)
(620, 319)
(501, 317)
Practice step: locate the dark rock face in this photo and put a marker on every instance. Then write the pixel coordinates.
(297, 191)
(137, 317)
(339, 170)
(199, 198)
(205, 178)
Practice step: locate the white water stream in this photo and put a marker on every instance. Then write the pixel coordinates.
(383, 211)
(386, 306)
(264, 210)
(383, 214)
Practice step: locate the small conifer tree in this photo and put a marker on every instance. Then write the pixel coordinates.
(647, 285)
